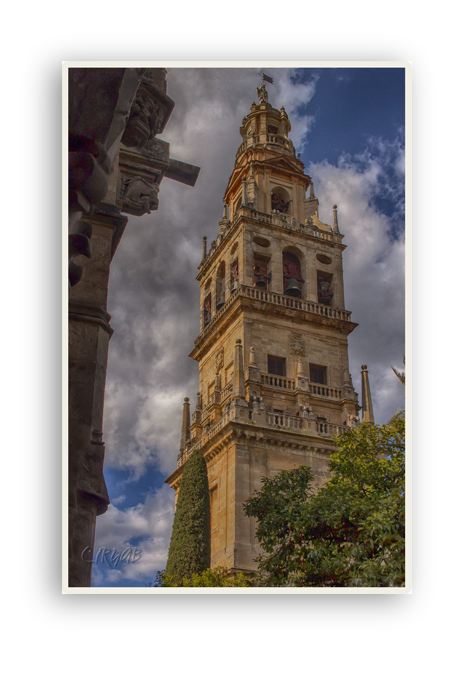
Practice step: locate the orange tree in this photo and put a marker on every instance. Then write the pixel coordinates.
(351, 532)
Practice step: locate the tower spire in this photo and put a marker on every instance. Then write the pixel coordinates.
(367, 405)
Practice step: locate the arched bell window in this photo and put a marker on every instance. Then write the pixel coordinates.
(292, 280)
(207, 309)
(280, 200)
(234, 276)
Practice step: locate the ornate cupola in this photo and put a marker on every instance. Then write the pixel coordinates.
(268, 175)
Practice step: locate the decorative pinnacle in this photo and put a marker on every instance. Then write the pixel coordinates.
(239, 390)
(367, 404)
(336, 222)
(186, 423)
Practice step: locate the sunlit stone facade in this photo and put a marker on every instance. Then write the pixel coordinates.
(272, 348)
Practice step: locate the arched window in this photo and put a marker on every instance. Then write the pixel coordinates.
(292, 280)
(234, 276)
(280, 200)
(207, 309)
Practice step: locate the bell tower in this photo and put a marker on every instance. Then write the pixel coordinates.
(274, 381)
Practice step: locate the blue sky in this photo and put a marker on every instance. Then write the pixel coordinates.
(348, 124)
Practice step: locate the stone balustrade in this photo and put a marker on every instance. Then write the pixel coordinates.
(294, 302)
(331, 429)
(279, 300)
(277, 381)
(318, 390)
(273, 421)
(284, 421)
(226, 392)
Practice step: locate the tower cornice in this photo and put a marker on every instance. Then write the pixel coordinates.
(247, 298)
(270, 223)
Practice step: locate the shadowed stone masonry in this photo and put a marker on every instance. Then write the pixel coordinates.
(115, 166)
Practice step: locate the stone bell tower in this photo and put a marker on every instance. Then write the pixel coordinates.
(272, 349)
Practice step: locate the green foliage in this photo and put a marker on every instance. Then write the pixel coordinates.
(211, 577)
(400, 375)
(189, 549)
(400, 413)
(349, 533)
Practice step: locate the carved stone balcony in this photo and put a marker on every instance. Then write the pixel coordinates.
(266, 421)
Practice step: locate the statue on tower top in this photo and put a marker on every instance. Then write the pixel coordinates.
(262, 93)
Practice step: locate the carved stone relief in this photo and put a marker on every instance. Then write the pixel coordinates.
(139, 195)
(297, 344)
(219, 358)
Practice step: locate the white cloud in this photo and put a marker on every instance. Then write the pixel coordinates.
(153, 294)
(117, 529)
(373, 261)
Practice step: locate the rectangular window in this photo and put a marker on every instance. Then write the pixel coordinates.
(276, 366)
(318, 374)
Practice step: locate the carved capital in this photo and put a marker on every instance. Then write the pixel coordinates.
(219, 360)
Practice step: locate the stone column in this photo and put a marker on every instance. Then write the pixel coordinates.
(244, 197)
(367, 405)
(89, 335)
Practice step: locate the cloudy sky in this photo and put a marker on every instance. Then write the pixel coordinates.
(348, 125)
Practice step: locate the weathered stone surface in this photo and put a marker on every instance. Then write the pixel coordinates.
(261, 421)
(105, 177)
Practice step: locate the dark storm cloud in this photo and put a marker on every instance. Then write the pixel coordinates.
(153, 295)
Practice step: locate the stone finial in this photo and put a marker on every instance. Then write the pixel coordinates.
(225, 211)
(367, 405)
(239, 389)
(199, 401)
(204, 248)
(186, 423)
(336, 222)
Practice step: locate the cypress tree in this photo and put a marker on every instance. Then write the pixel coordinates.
(189, 549)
